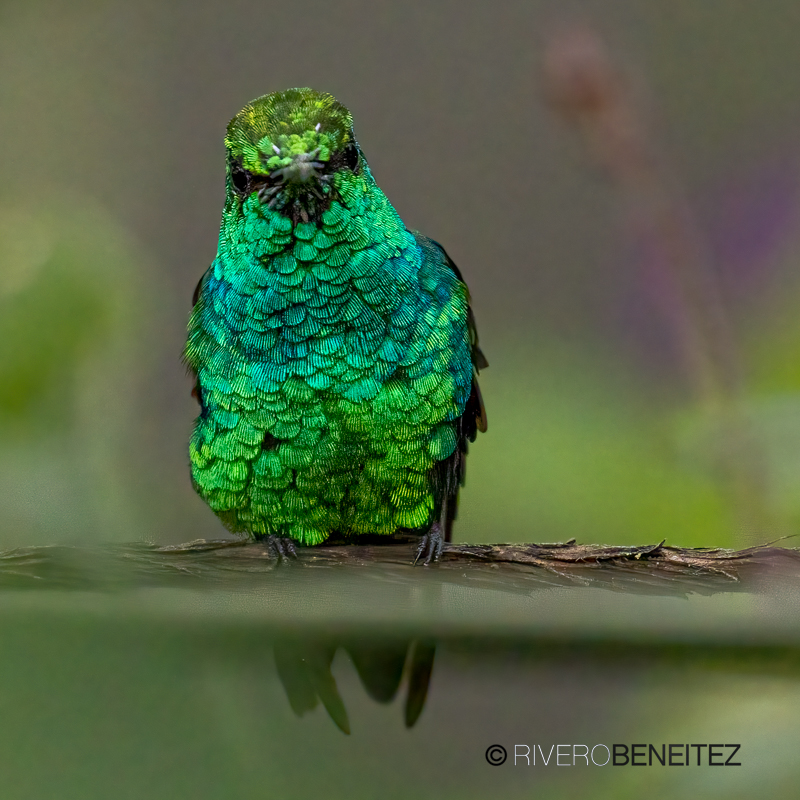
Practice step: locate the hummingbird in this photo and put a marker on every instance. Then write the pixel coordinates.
(334, 350)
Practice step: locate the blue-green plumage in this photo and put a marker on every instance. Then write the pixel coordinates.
(334, 349)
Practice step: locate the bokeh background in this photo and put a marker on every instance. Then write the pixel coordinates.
(111, 185)
(126, 675)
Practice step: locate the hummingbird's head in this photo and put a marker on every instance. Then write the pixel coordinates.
(288, 147)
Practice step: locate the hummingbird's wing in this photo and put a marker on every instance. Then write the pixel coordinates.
(195, 298)
(448, 475)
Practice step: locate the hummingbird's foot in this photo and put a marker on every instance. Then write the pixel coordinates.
(280, 547)
(431, 545)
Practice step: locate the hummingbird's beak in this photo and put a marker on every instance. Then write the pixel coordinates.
(303, 169)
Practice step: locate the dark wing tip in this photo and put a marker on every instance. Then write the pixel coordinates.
(196, 292)
(478, 358)
(481, 420)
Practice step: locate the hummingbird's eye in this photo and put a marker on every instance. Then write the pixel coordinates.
(239, 178)
(351, 157)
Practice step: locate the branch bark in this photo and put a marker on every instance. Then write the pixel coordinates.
(645, 567)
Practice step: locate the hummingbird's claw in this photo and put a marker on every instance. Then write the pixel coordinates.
(281, 547)
(431, 545)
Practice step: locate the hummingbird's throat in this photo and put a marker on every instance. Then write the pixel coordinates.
(300, 192)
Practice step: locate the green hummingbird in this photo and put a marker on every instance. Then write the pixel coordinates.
(334, 350)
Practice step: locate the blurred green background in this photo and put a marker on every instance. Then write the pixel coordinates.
(111, 186)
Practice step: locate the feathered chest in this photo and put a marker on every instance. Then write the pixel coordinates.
(342, 305)
(331, 325)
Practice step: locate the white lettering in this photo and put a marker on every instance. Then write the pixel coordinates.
(580, 755)
(546, 760)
